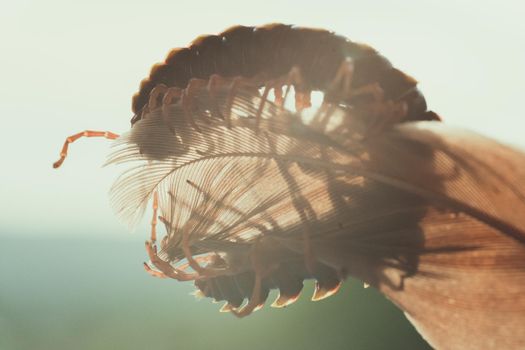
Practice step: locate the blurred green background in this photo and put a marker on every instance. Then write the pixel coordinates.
(73, 293)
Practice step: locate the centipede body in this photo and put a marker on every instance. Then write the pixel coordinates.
(272, 51)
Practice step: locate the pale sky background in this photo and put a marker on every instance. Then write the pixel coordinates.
(68, 66)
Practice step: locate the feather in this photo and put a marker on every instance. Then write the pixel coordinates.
(430, 215)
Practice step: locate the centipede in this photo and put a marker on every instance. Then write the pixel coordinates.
(253, 194)
(253, 61)
(273, 56)
(310, 59)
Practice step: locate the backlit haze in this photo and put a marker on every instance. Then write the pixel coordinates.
(69, 66)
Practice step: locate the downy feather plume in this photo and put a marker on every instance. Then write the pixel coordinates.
(430, 215)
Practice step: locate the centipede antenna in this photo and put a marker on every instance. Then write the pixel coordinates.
(87, 133)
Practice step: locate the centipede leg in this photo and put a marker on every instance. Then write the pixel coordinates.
(385, 112)
(154, 96)
(153, 100)
(234, 86)
(164, 267)
(254, 302)
(188, 100)
(309, 257)
(87, 133)
(154, 273)
(339, 89)
(264, 98)
(214, 83)
(167, 100)
(151, 249)
(341, 85)
(278, 92)
(374, 90)
(194, 264)
(153, 236)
